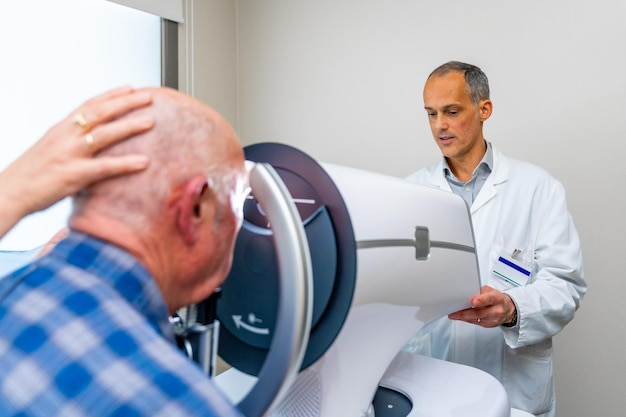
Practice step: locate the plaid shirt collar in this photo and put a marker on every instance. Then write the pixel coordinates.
(119, 269)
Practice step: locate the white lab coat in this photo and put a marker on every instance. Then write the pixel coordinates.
(521, 207)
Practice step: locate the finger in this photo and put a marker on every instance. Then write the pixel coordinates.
(485, 322)
(488, 296)
(117, 106)
(466, 314)
(107, 95)
(469, 317)
(78, 116)
(487, 289)
(109, 106)
(110, 166)
(480, 317)
(116, 131)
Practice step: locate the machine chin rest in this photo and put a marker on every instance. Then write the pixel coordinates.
(248, 306)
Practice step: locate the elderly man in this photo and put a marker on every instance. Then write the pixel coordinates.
(84, 330)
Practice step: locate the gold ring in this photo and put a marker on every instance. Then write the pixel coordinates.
(89, 140)
(80, 121)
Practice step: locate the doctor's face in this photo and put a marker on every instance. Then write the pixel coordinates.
(455, 122)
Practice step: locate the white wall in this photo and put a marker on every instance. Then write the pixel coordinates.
(342, 80)
(55, 55)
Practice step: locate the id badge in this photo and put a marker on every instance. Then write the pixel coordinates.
(511, 270)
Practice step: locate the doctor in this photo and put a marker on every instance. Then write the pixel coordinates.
(529, 252)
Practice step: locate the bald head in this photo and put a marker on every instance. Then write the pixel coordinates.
(188, 138)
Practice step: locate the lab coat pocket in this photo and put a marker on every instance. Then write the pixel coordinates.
(509, 267)
(528, 377)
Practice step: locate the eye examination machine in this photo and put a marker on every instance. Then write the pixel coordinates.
(334, 270)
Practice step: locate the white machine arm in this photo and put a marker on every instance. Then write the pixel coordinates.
(293, 323)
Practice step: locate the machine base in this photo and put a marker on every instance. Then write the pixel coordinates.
(438, 388)
(415, 386)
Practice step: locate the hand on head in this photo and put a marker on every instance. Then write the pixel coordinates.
(61, 163)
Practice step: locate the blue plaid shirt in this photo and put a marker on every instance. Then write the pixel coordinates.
(84, 331)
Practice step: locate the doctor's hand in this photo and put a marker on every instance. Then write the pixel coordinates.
(490, 308)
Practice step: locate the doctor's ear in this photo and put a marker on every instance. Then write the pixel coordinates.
(190, 208)
(485, 107)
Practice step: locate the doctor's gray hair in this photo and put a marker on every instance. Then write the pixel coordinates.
(475, 78)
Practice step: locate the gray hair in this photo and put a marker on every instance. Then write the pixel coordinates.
(475, 78)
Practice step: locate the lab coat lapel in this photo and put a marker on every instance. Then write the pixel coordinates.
(498, 176)
(437, 179)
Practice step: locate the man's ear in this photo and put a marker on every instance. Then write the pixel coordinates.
(189, 210)
(485, 107)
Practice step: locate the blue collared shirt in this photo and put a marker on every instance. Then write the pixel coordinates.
(84, 331)
(469, 190)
